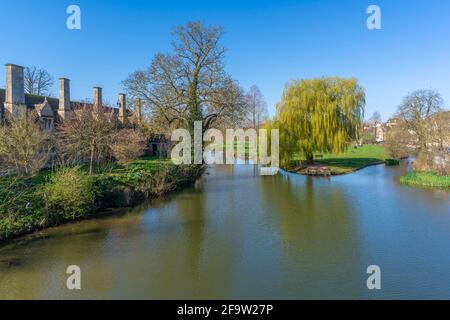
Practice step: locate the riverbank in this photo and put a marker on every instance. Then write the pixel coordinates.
(245, 237)
(354, 159)
(426, 179)
(54, 197)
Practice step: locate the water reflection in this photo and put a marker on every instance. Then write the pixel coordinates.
(237, 234)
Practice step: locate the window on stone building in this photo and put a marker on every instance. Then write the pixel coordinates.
(47, 123)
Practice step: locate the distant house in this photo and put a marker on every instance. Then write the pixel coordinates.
(377, 132)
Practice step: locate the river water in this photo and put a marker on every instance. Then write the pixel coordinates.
(237, 235)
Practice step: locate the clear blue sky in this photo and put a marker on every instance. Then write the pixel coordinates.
(270, 42)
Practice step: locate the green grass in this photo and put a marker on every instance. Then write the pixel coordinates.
(353, 159)
(25, 203)
(113, 170)
(426, 179)
(133, 171)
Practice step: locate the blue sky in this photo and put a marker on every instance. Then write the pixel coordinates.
(269, 42)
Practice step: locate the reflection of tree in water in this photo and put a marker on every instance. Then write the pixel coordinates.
(192, 216)
(42, 263)
(208, 256)
(317, 229)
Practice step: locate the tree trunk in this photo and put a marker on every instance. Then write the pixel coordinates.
(91, 161)
(309, 159)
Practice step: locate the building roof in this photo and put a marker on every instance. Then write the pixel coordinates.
(31, 101)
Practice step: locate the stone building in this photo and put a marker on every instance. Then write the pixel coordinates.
(14, 100)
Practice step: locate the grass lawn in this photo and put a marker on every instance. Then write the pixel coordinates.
(124, 173)
(426, 179)
(353, 159)
(115, 170)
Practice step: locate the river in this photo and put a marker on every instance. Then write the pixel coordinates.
(237, 235)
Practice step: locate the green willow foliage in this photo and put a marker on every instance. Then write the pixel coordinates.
(319, 116)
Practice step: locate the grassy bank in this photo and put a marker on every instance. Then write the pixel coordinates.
(56, 196)
(352, 160)
(426, 179)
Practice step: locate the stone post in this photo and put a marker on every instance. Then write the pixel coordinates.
(15, 90)
(64, 98)
(98, 99)
(122, 108)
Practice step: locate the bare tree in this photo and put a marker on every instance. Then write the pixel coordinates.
(257, 107)
(189, 84)
(37, 81)
(87, 136)
(376, 118)
(128, 145)
(414, 112)
(398, 142)
(423, 117)
(24, 147)
(439, 142)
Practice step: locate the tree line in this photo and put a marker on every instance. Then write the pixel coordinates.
(186, 85)
(89, 136)
(421, 128)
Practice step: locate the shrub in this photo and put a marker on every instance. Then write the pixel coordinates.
(86, 136)
(24, 147)
(398, 141)
(168, 178)
(129, 145)
(20, 207)
(69, 194)
(392, 162)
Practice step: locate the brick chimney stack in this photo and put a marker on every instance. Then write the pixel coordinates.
(122, 107)
(139, 110)
(98, 98)
(64, 98)
(15, 90)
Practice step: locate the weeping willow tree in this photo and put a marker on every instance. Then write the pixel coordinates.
(319, 116)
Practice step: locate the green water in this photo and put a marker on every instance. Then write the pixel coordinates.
(236, 235)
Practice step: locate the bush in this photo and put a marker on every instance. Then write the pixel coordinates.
(398, 141)
(69, 194)
(20, 207)
(392, 162)
(24, 147)
(129, 145)
(167, 179)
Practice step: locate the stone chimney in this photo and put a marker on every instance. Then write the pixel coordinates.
(122, 107)
(98, 99)
(15, 90)
(64, 98)
(139, 110)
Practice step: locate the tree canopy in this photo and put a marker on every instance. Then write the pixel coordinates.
(319, 115)
(257, 107)
(190, 83)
